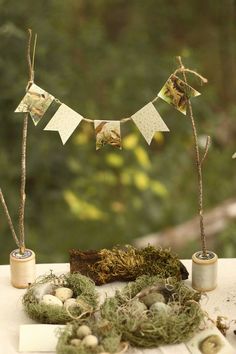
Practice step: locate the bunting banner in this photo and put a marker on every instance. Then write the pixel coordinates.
(234, 156)
(64, 121)
(149, 121)
(177, 93)
(107, 132)
(36, 102)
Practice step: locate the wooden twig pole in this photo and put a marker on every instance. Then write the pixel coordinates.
(24, 145)
(9, 220)
(198, 161)
(20, 239)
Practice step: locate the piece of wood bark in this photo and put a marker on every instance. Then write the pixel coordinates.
(124, 266)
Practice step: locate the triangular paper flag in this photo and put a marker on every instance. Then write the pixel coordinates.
(177, 93)
(36, 102)
(148, 121)
(234, 156)
(64, 121)
(107, 132)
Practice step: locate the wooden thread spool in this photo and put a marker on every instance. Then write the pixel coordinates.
(204, 271)
(22, 268)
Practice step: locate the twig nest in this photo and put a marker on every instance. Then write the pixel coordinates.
(63, 293)
(51, 300)
(160, 308)
(163, 323)
(152, 298)
(70, 303)
(75, 342)
(65, 288)
(93, 335)
(83, 331)
(90, 341)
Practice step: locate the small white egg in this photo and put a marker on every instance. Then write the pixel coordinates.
(160, 308)
(76, 342)
(70, 303)
(51, 300)
(150, 299)
(63, 293)
(83, 331)
(90, 341)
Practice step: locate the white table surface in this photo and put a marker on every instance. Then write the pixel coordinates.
(221, 301)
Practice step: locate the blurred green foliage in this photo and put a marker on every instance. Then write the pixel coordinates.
(107, 59)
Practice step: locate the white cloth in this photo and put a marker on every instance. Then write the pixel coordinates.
(221, 301)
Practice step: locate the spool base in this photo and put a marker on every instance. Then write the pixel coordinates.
(22, 268)
(204, 271)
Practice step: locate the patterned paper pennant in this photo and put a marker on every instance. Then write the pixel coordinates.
(36, 102)
(234, 156)
(176, 92)
(148, 121)
(64, 121)
(107, 132)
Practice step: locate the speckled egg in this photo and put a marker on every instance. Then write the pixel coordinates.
(150, 299)
(51, 300)
(63, 293)
(90, 341)
(160, 308)
(83, 331)
(75, 342)
(70, 303)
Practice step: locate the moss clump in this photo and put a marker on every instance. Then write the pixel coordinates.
(79, 284)
(127, 263)
(150, 329)
(109, 340)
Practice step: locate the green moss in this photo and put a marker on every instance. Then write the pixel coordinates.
(109, 339)
(81, 286)
(129, 263)
(150, 329)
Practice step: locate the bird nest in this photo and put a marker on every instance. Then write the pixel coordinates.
(151, 312)
(90, 336)
(83, 298)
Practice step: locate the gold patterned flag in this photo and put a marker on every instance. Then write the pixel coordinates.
(36, 102)
(177, 93)
(149, 121)
(64, 121)
(107, 132)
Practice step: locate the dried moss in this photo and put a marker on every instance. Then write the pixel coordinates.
(149, 329)
(109, 338)
(81, 286)
(129, 263)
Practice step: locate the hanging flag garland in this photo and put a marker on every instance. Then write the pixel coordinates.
(175, 92)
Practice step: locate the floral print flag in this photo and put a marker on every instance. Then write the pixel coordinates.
(107, 132)
(177, 93)
(36, 102)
